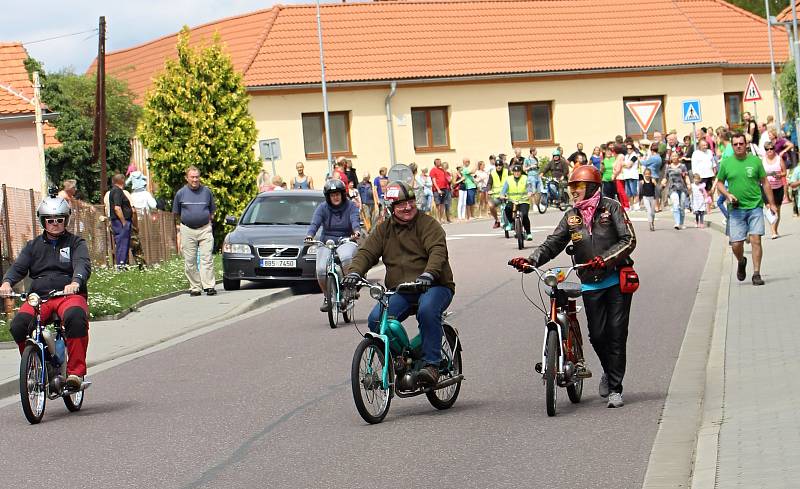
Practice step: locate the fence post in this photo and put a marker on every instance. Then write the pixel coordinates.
(8, 303)
(33, 213)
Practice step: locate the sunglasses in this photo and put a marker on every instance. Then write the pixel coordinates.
(56, 220)
(405, 205)
(738, 144)
(769, 148)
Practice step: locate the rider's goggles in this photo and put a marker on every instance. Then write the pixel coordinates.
(577, 186)
(55, 220)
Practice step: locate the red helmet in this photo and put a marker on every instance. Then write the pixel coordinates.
(586, 173)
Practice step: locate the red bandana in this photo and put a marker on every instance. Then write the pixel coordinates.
(587, 208)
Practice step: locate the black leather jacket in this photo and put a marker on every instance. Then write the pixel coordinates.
(612, 238)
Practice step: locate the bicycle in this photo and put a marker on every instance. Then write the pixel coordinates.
(562, 347)
(386, 363)
(519, 230)
(341, 300)
(552, 193)
(43, 365)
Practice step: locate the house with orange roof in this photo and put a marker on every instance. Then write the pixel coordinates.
(20, 163)
(465, 78)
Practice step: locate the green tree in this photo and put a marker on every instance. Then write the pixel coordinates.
(197, 114)
(73, 97)
(788, 88)
(757, 6)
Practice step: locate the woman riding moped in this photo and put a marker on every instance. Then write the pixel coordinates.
(339, 219)
(602, 237)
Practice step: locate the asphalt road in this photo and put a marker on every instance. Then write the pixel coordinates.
(266, 402)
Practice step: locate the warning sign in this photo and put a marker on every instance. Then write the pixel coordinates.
(644, 112)
(751, 91)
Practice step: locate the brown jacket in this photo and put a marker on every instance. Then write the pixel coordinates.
(408, 250)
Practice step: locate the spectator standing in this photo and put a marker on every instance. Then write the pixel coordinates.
(379, 190)
(647, 195)
(194, 205)
(704, 165)
(654, 163)
(676, 182)
(339, 171)
(441, 191)
(699, 201)
(775, 168)
(597, 158)
(794, 183)
(264, 181)
(470, 187)
(350, 172)
(482, 181)
(367, 194)
(687, 150)
(449, 177)
(619, 176)
(751, 127)
(630, 175)
(68, 190)
(746, 177)
(458, 182)
(140, 197)
(532, 170)
(607, 171)
(425, 186)
(578, 151)
(301, 180)
(121, 215)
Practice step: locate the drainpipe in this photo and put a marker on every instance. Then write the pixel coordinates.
(389, 125)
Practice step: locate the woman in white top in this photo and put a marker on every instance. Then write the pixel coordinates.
(482, 180)
(704, 163)
(630, 174)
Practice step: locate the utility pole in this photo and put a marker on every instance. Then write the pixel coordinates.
(775, 94)
(99, 141)
(324, 95)
(37, 105)
(794, 48)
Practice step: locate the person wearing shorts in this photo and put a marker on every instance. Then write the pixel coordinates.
(746, 177)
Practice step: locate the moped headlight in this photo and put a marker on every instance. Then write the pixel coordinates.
(551, 280)
(34, 300)
(235, 248)
(376, 292)
(330, 244)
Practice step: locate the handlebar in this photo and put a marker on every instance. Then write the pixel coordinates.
(24, 295)
(543, 274)
(330, 243)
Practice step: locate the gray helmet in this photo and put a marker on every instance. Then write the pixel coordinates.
(53, 207)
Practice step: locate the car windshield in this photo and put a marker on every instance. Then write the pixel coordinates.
(282, 211)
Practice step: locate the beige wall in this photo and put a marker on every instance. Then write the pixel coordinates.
(19, 160)
(589, 110)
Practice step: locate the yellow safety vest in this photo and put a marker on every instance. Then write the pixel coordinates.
(498, 187)
(518, 189)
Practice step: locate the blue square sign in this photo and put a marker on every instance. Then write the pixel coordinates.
(691, 111)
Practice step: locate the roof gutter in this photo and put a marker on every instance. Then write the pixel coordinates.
(502, 76)
(389, 124)
(49, 116)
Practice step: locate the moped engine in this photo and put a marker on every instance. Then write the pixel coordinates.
(407, 382)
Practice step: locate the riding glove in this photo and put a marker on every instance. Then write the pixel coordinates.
(352, 279)
(424, 281)
(521, 264)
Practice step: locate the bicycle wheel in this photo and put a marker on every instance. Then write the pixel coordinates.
(72, 401)
(32, 392)
(575, 390)
(349, 304)
(518, 232)
(371, 399)
(563, 200)
(551, 371)
(542, 204)
(333, 312)
(445, 397)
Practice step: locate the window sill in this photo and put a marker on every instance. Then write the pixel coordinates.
(441, 149)
(323, 156)
(527, 144)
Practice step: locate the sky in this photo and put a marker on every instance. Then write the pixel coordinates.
(128, 23)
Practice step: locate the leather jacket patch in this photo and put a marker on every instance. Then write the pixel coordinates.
(576, 236)
(605, 217)
(574, 221)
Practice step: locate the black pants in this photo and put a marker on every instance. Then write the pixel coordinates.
(610, 189)
(607, 313)
(524, 209)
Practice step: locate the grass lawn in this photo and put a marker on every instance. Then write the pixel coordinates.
(111, 292)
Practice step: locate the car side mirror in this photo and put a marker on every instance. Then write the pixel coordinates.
(570, 250)
(231, 220)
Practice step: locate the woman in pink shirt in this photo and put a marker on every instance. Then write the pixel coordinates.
(776, 171)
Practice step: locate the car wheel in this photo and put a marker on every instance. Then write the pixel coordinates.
(230, 284)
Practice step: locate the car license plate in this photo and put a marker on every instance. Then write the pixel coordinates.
(272, 263)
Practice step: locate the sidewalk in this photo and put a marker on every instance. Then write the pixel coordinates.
(153, 324)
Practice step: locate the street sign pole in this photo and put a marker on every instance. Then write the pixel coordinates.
(694, 135)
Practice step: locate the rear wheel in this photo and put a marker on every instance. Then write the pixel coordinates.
(445, 397)
(32, 391)
(575, 391)
(349, 304)
(331, 296)
(551, 371)
(230, 284)
(518, 232)
(371, 399)
(563, 200)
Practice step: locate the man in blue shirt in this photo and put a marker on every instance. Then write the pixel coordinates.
(194, 205)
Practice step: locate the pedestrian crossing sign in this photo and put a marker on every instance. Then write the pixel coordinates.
(691, 111)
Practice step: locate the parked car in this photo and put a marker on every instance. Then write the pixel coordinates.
(267, 244)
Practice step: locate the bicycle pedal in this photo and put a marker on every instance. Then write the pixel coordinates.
(583, 374)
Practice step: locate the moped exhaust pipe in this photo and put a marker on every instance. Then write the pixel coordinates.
(448, 382)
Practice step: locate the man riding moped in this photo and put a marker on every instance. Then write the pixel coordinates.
(413, 248)
(603, 238)
(339, 218)
(56, 260)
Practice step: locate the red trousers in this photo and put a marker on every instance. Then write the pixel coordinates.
(621, 195)
(77, 341)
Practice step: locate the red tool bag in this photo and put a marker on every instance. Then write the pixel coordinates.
(628, 280)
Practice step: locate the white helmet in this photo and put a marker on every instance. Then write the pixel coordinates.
(53, 207)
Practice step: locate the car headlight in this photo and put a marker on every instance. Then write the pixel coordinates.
(312, 250)
(235, 248)
(34, 300)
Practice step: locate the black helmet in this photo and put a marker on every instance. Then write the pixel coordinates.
(334, 185)
(516, 168)
(398, 191)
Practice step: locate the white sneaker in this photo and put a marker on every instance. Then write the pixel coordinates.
(615, 400)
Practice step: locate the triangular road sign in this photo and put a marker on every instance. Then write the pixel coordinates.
(751, 91)
(644, 112)
(691, 114)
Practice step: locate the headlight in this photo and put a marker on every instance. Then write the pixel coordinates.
(551, 280)
(34, 300)
(235, 248)
(330, 244)
(312, 250)
(376, 292)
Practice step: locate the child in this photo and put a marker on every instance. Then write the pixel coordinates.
(699, 196)
(647, 195)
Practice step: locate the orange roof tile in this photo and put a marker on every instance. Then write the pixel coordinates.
(434, 39)
(786, 14)
(49, 133)
(16, 91)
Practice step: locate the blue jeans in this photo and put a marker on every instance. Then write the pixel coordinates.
(432, 305)
(744, 222)
(678, 201)
(122, 241)
(721, 206)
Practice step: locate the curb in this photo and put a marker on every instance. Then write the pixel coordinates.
(11, 387)
(142, 303)
(689, 404)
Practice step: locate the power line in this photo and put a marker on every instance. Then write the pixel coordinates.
(60, 37)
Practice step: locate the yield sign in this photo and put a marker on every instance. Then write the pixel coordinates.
(644, 112)
(751, 92)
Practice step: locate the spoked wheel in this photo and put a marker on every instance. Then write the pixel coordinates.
(518, 232)
(349, 304)
(575, 391)
(562, 202)
(542, 204)
(32, 390)
(372, 400)
(551, 371)
(72, 401)
(333, 312)
(445, 397)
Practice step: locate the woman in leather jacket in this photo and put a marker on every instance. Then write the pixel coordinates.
(603, 238)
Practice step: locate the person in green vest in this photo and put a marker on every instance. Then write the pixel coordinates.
(517, 190)
(497, 178)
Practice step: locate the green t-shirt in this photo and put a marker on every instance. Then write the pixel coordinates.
(744, 179)
(469, 182)
(728, 151)
(608, 169)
